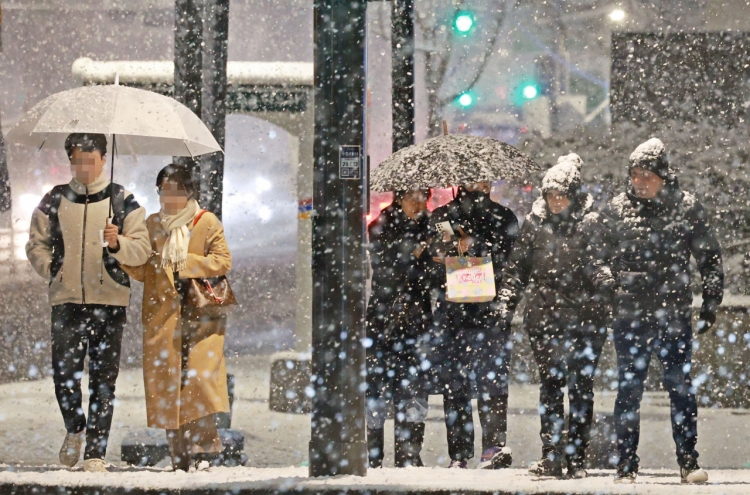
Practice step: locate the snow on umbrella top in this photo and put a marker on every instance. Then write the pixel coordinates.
(144, 122)
(451, 160)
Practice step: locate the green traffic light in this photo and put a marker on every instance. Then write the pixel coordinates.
(530, 92)
(464, 22)
(466, 100)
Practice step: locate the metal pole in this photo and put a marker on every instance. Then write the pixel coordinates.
(188, 63)
(402, 60)
(214, 112)
(337, 443)
(5, 198)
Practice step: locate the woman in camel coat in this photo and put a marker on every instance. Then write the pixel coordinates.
(183, 358)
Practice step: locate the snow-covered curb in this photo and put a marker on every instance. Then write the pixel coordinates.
(410, 480)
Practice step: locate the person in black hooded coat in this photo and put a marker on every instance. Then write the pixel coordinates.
(565, 315)
(642, 257)
(470, 342)
(398, 317)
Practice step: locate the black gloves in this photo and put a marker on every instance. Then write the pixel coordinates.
(707, 317)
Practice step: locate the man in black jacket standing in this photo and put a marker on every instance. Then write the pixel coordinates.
(470, 341)
(642, 259)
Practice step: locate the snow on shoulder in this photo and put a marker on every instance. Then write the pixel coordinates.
(689, 199)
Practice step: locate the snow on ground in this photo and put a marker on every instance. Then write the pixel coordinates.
(410, 480)
(31, 429)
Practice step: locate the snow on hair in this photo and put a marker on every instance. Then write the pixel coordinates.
(649, 151)
(565, 176)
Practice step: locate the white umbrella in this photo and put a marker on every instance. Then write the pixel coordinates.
(142, 122)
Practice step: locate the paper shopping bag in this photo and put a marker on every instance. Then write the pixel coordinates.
(469, 280)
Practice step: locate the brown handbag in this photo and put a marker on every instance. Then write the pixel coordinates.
(208, 297)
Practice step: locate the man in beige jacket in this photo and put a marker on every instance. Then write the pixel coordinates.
(88, 291)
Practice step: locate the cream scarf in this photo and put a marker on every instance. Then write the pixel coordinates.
(175, 251)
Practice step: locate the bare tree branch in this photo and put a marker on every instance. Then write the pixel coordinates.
(485, 59)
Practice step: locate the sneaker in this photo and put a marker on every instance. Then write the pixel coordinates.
(695, 475)
(94, 466)
(457, 464)
(202, 465)
(70, 452)
(577, 473)
(496, 458)
(625, 478)
(546, 467)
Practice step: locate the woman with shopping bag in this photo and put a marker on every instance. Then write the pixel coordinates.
(185, 300)
(398, 316)
(473, 237)
(565, 316)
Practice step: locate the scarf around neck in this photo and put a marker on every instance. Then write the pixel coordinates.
(175, 251)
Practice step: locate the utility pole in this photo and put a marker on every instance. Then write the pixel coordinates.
(214, 111)
(337, 443)
(188, 65)
(402, 60)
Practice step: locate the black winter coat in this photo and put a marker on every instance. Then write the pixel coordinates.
(399, 302)
(494, 229)
(551, 255)
(644, 251)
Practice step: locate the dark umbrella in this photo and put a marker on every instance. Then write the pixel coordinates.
(451, 160)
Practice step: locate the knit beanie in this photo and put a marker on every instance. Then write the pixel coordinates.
(565, 176)
(651, 156)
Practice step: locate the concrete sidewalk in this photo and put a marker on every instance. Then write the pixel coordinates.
(31, 429)
(433, 481)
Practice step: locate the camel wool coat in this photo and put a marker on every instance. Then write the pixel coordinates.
(171, 341)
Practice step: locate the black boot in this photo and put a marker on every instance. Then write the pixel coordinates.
(408, 444)
(493, 416)
(375, 446)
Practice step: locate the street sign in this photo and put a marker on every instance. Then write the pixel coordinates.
(350, 162)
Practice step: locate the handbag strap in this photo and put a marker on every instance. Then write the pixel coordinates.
(198, 217)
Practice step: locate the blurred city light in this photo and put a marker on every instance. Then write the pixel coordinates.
(466, 100)
(530, 92)
(617, 15)
(464, 22)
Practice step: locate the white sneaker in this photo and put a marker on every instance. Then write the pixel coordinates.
(696, 475)
(94, 466)
(70, 451)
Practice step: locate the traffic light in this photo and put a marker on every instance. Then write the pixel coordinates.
(525, 90)
(530, 91)
(465, 100)
(464, 22)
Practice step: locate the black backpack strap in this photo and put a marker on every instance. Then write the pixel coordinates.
(121, 206)
(50, 205)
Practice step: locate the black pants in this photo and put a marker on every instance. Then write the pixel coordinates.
(394, 376)
(668, 334)
(76, 329)
(567, 356)
(474, 349)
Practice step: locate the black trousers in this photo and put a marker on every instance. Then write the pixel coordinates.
(666, 333)
(394, 376)
(471, 349)
(78, 329)
(567, 356)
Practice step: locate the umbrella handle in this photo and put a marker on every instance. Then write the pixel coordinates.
(101, 234)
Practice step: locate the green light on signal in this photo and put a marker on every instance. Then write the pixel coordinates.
(530, 92)
(464, 22)
(466, 100)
